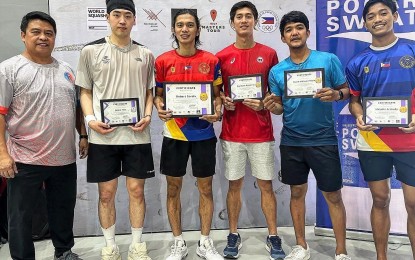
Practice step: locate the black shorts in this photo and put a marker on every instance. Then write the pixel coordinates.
(175, 154)
(377, 166)
(324, 161)
(107, 162)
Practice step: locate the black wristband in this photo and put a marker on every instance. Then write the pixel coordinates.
(83, 136)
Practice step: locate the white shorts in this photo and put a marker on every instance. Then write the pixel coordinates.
(261, 157)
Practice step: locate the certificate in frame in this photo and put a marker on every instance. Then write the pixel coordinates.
(120, 112)
(303, 83)
(246, 86)
(387, 111)
(188, 99)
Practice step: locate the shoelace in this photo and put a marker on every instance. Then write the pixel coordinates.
(210, 248)
(296, 250)
(275, 242)
(232, 240)
(176, 249)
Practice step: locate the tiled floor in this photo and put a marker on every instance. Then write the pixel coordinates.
(322, 248)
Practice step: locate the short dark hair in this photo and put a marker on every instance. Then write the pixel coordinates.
(192, 13)
(391, 4)
(37, 15)
(240, 5)
(294, 17)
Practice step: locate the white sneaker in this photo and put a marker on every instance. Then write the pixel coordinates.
(110, 253)
(208, 251)
(138, 251)
(299, 253)
(178, 250)
(342, 257)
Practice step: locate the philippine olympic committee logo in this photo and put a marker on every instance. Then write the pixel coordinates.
(267, 21)
(407, 62)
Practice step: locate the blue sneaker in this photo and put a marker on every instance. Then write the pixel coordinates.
(233, 246)
(273, 246)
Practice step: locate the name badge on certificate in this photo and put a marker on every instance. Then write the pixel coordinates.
(303, 83)
(246, 86)
(188, 99)
(387, 111)
(120, 112)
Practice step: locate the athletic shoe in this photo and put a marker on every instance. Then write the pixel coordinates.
(68, 255)
(299, 253)
(274, 248)
(138, 251)
(342, 257)
(233, 246)
(208, 251)
(178, 250)
(110, 253)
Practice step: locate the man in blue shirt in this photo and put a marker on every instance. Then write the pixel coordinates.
(308, 139)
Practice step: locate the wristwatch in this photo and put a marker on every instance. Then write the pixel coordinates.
(341, 95)
(83, 136)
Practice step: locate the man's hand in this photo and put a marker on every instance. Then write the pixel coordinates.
(410, 128)
(254, 104)
(142, 124)
(362, 126)
(100, 127)
(8, 167)
(227, 102)
(83, 148)
(327, 94)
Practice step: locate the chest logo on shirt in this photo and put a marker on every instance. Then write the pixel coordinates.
(139, 59)
(260, 59)
(172, 69)
(366, 69)
(407, 62)
(204, 68)
(232, 60)
(385, 64)
(69, 77)
(105, 60)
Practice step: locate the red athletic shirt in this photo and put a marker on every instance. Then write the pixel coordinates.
(245, 124)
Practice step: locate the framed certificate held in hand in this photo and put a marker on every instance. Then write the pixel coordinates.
(303, 83)
(120, 112)
(246, 86)
(188, 99)
(387, 111)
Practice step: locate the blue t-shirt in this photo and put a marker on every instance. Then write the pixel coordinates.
(308, 121)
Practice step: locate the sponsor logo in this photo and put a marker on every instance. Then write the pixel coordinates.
(407, 62)
(138, 59)
(204, 68)
(260, 59)
(267, 21)
(232, 60)
(213, 27)
(153, 20)
(105, 60)
(213, 14)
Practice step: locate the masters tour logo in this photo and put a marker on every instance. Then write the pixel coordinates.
(267, 21)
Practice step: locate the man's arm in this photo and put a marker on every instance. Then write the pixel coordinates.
(93, 123)
(145, 121)
(8, 167)
(83, 136)
(356, 109)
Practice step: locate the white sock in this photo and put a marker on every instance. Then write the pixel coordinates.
(179, 237)
(203, 238)
(136, 233)
(109, 235)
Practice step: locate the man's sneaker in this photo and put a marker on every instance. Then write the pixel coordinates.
(342, 257)
(110, 253)
(299, 253)
(178, 250)
(68, 255)
(138, 251)
(233, 246)
(274, 248)
(207, 250)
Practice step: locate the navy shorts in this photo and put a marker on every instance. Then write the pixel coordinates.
(175, 154)
(324, 161)
(108, 162)
(378, 166)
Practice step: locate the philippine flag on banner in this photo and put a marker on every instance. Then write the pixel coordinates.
(268, 20)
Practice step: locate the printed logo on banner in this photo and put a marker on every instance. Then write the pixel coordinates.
(267, 21)
(97, 19)
(153, 20)
(212, 26)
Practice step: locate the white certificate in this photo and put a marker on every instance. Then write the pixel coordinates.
(119, 112)
(303, 83)
(188, 99)
(387, 111)
(246, 86)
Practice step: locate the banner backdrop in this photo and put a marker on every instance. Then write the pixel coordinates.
(80, 22)
(340, 30)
